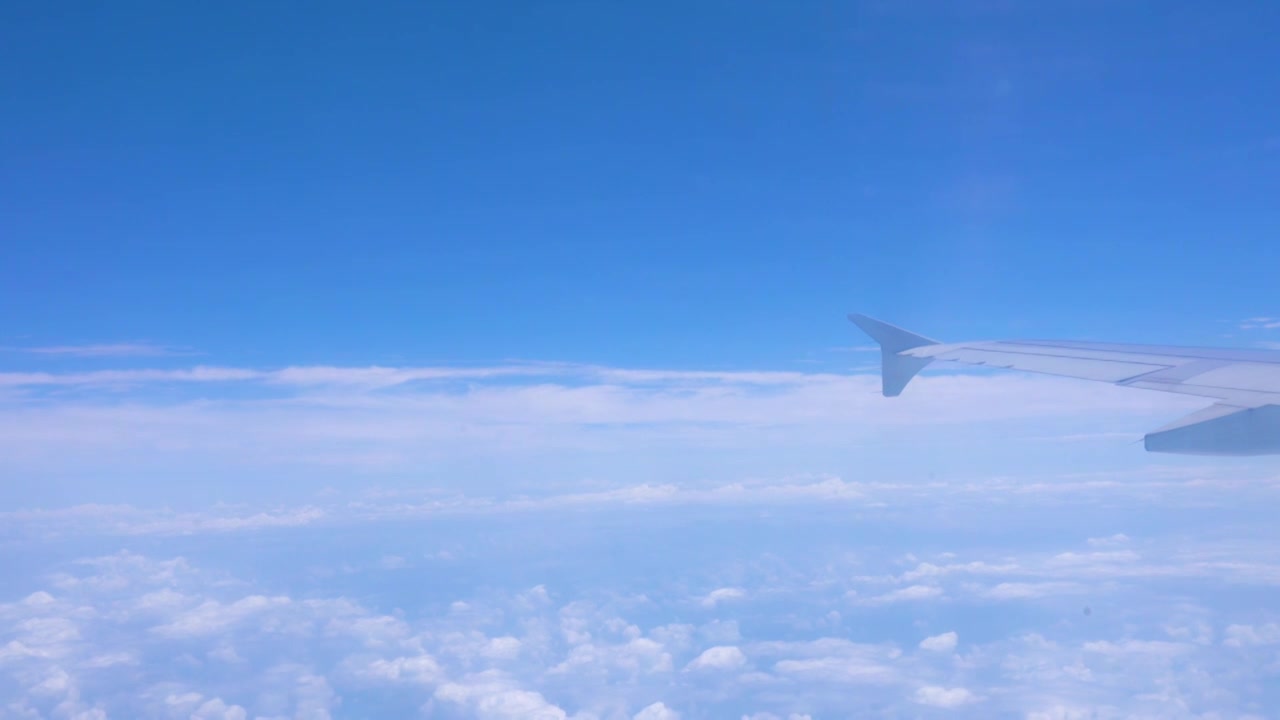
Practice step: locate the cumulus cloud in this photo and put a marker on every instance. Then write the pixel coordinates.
(946, 642)
(834, 660)
(202, 643)
(419, 669)
(492, 696)
(217, 709)
(657, 711)
(942, 697)
(278, 613)
(212, 617)
(721, 657)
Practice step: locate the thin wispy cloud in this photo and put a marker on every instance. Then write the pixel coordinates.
(548, 418)
(777, 494)
(1260, 323)
(107, 350)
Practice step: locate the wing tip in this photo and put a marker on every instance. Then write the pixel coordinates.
(896, 370)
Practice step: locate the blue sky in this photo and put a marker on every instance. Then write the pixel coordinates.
(489, 360)
(660, 185)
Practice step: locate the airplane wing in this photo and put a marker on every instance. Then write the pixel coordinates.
(1246, 383)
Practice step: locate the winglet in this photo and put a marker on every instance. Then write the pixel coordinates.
(896, 370)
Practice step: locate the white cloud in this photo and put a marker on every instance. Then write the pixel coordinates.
(122, 380)
(721, 631)
(657, 711)
(1095, 558)
(1065, 712)
(941, 697)
(911, 593)
(419, 669)
(549, 646)
(391, 420)
(604, 636)
(225, 653)
(1260, 323)
(977, 567)
(1070, 566)
(1031, 590)
(837, 669)
(1110, 541)
(834, 660)
(315, 698)
(1136, 647)
(502, 648)
(946, 642)
(720, 595)
(1250, 635)
(721, 657)
(114, 350)
(492, 696)
(212, 617)
(217, 709)
(638, 655)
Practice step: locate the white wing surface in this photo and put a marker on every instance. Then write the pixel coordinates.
(1246, 383)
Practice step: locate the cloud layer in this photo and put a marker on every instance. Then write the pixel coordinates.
(524, 426)
(130, 634)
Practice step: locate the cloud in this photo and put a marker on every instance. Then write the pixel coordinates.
(491, 696)
(212, 617)
(836, 670)
(912, 593)
(599, 635)
(1031, 590)
(1111, 541)
(946, 642)
(1249, 635)
(941, 697)
(977, 567)
(657, 711)
(244, 422)
(1136, 647)
(217, 709)
(1260, 323)
(778, 494)
(720, 657)
(721, 595)
(419, 669)
(123, 379)
(116, 350)
(834, 660)
(635, 656)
